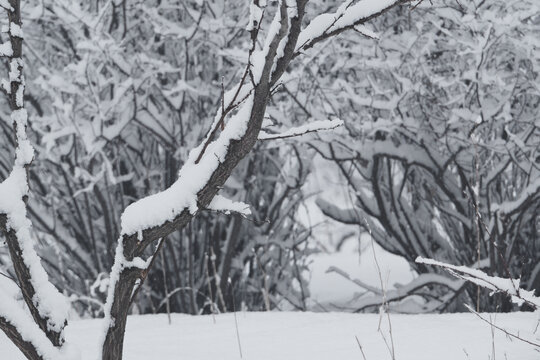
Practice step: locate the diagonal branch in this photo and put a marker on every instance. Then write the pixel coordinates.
(508, 333)
(47, 307)
(22, 330)
(26, 347)
(493, 283)
(156, 216)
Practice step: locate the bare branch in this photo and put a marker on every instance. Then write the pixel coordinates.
(508, 333)
(311, 127)
(407, 290)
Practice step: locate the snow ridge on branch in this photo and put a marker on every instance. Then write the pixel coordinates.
(346, 16)
(39, 327)
(496, 284)
(221, 203)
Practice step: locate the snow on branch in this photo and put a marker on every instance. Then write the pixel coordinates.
(5, 49)
(20, 327)
(232, 135)
(47, 306)
(313, 126)
(203, 160)
(256, 11)
(205, 170)
(493, 283)
(50, 304)
(221, 203)
(347, 16)
(164, 206)
(6, 5)
(346, 216)
(526, 195)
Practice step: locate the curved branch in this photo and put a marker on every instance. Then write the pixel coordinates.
(409, 290)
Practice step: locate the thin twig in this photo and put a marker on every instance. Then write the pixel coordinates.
(360, 347)
(235, 319)
(208, 282)
(501, 329)
(10, 278)
(384, 306)
(166, 288)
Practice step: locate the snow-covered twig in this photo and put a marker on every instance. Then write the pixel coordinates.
(528, 194)
(221, 203)
(346, 17)
(496, 284)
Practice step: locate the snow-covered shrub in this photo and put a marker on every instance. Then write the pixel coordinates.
(117, 100)
(442, 160)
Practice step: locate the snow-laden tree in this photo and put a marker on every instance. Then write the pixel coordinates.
(443, 158)
(115, 106)
(277, 35)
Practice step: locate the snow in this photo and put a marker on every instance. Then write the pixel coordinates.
(5, 4)
(164, 206)
(25, 151)
(15, 30)
(331, 288)
(221, 203)
(364, 30)
(255, 15)
(6, 49)
(156, 209)
(19, 317)
(258, 58)
(50, 304)
(14, 72)
(345, 16)
(497, 284)
(511, 206)
(118, 266)
(311, 126)
(307, 336)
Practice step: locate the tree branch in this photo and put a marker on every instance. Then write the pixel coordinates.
(46, 305)
(311, 127)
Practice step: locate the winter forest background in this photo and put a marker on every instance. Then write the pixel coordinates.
(429, 147)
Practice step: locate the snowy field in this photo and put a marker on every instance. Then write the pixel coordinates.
(310, 336)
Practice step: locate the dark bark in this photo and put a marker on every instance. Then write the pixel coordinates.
(238, 149)
(21, 269)
(13, 334)
(125, 287)
(23, 276)
(228, 256)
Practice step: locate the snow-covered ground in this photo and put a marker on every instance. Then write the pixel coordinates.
(356, 257)
(310, 336)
